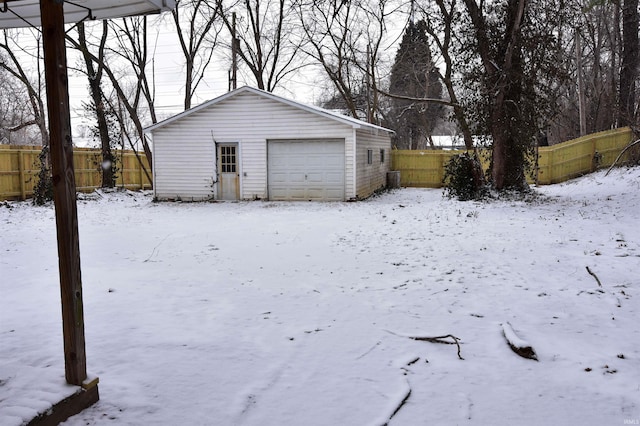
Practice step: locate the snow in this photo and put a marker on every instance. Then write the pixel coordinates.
(263, 313)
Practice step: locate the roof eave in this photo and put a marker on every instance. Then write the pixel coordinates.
(25, 13)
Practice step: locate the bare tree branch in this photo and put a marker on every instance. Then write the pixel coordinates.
(411, 98)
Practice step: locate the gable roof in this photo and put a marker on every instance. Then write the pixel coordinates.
(353, 122)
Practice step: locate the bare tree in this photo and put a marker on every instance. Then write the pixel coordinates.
(129, 56)
(268, 42)
(132, 46)
(597, 64)
(593, 54)
(332, 29)
(11, 63)
(94, 72)
(346, 40)
(377, 15)
(440, 26)
(16, 116)
(197, 28)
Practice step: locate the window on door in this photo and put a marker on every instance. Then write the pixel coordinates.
(228, 159)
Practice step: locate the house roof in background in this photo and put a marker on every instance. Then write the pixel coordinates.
(353, 122)
(25, 13)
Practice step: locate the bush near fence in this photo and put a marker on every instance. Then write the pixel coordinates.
(557, 163)
(19, 167)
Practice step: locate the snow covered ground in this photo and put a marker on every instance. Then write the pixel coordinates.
(263, 313)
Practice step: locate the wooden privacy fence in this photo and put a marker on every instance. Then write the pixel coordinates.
(19, 167)
(557, 163)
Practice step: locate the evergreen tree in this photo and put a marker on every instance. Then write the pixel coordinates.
(414, 75)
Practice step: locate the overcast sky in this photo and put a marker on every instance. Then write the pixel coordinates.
(306, 86)
(169, 78)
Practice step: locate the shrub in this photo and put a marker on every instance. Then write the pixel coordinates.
(463, 178)
(43, 189)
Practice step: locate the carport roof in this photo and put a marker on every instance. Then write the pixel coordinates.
(24, 13)
(353, 122)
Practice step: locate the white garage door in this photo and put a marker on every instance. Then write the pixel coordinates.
(301, 170)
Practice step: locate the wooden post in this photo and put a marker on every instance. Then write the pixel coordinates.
(23, 189)
(142, 176)
(64, 187)
(594, 155)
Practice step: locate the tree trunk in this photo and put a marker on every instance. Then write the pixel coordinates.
(630, 63)
(582, 103)
(95, 89)
(502, 71)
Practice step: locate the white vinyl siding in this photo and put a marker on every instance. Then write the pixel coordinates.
(371, 177)
(185, 145)
(248, 119)
(184, 168)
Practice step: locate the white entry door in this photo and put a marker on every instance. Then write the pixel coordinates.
(228, 172)
(301, 170)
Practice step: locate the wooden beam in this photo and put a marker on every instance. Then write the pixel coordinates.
(64, 189)
(60, 412)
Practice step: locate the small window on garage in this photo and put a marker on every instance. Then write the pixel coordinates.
(228, 160)
(382, 155)
(369, 156)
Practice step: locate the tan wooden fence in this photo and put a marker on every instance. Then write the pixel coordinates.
(19, 167)
(557, 163)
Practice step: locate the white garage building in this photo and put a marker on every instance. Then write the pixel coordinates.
(251, 144)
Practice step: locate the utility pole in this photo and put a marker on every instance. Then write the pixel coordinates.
(233, 79)
(368, 85)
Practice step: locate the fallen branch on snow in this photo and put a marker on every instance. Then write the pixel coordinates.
(516, 344)
(400, 405)
(594, 276)
(618, 302)
(154, 249)
(438, 339)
